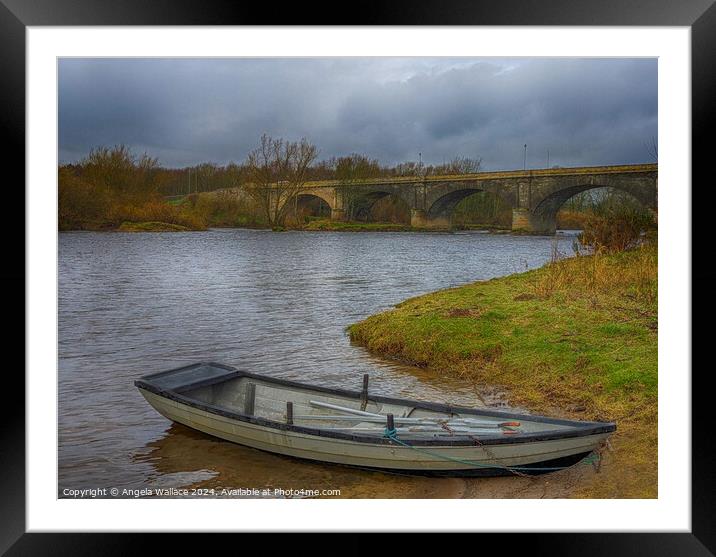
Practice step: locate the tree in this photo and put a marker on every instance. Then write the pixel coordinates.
(348, 170)
(277, 171)
(409, 168)
(120, 173)
(79, 203)
(459, 165)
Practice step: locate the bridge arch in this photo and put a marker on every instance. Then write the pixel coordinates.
(325, 196)
(544, 214)
(364, 204)
(308, 204)
(440, 212)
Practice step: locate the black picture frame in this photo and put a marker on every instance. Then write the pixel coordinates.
(699, 15)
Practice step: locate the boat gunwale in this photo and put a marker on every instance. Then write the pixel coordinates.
(577, 428)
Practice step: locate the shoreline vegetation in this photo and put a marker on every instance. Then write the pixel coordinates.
(198, 212)
(317, 225)
(183, 217)
(113, 189)
(576, 338)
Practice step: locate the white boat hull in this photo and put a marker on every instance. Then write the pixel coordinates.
(380, 455)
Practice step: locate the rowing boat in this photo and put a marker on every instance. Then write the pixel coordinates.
(363, 429)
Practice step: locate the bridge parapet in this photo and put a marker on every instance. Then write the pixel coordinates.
(492, 175)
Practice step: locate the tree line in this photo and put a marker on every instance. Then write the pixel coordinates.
(208, 176)
(113, 185)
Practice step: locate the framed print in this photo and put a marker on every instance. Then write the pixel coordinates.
(396, 275)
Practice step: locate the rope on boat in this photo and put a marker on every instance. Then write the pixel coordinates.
(392, 434)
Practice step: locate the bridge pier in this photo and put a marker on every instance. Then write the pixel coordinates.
(418, 218)
(521, 219)
(524, 220)
(338, 214)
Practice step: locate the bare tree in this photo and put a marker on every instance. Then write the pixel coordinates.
(458, 165)
(277, 171)
(121, 174)
(409, 168)
(463, 165)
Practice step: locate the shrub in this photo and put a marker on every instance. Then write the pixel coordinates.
(571, 220)
(615, 229)
(79, 203)
(224, 208)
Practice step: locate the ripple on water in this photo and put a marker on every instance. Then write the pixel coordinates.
(131, 304)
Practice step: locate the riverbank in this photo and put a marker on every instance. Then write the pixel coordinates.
(312, 226)
(152, 227)
(352, 226)
(131, 226)
(576, 339)
(356, 226)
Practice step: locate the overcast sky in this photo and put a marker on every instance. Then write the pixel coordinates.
(187, 111)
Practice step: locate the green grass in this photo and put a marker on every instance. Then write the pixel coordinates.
(576, 338)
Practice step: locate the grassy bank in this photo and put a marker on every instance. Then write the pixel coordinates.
(151, 226)
(576, 338)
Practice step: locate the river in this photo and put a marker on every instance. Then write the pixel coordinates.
(273, 303)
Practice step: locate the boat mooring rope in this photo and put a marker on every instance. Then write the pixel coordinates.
(392, 434)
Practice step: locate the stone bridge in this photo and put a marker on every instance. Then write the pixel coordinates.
(534, 195)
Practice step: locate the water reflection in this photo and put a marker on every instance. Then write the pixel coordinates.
(190, 458)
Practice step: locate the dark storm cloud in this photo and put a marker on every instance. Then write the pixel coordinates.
(185, 111)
